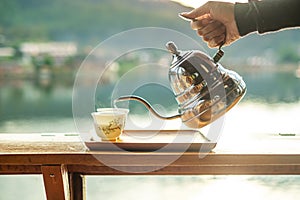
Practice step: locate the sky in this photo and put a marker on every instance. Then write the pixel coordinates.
(197, 3)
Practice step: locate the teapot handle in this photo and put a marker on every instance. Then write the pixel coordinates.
(146, 104)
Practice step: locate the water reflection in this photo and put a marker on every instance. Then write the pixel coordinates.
(29, 101)
(273, 87)
(32, 101)
(194, 187)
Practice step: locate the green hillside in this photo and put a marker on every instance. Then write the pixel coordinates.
(83, 21)
(89, 21)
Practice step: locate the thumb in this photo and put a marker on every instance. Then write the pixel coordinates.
(196, 13)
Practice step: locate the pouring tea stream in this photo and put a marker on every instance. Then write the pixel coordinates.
(203, 88)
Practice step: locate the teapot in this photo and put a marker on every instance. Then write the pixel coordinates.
(203, 88)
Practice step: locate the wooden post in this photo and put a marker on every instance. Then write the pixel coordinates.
(77, 186)
(56, 182)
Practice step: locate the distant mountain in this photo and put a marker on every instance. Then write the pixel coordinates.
(83, 21)
(90, 21)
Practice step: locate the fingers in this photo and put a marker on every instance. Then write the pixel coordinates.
(211, 27)
(206, 21)
(216, 41)
(200, 24)
(212, 31)
(196, 12)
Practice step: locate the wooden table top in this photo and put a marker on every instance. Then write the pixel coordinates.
(270, 154)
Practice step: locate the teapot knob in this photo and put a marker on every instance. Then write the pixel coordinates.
(172, 48)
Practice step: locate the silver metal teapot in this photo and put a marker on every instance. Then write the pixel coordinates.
(204, 90)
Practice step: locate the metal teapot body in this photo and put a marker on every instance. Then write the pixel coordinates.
(204, 90)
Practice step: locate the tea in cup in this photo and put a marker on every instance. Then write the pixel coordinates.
(109, 123)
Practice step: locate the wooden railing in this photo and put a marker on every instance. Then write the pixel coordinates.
(63, 160)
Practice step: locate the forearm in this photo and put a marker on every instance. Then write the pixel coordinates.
(268, 15)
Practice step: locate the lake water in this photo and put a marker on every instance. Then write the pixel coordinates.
(271, 105)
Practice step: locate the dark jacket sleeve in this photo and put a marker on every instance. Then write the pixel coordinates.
(267, 15)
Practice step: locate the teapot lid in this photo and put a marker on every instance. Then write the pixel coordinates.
(172, 48)
(178, 55)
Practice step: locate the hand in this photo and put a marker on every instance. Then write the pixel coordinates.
(215, 22)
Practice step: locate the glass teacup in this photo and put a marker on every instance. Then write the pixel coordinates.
(109, 123)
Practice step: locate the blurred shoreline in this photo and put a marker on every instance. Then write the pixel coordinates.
(19, 72)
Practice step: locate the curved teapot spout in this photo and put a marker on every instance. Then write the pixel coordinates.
(146, 104)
